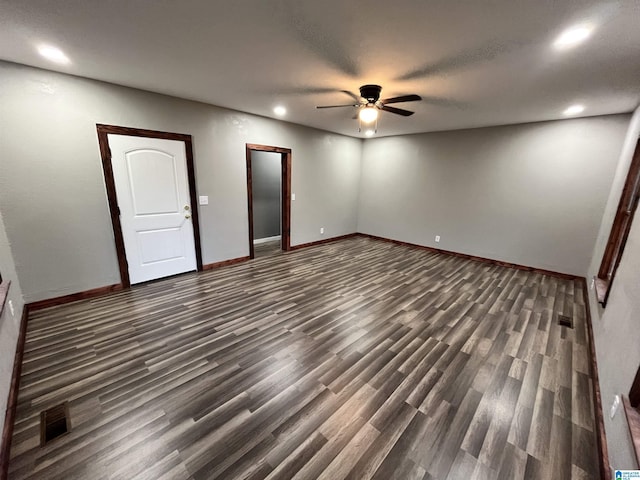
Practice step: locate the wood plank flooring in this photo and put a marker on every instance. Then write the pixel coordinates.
(267, 248)
(358, 359)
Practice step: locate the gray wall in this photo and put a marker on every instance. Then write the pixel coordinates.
(9, 324)
(52, 189)
(266, 179)
(529, 194)
(616, 329)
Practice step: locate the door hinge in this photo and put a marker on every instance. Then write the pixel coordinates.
(118, 210)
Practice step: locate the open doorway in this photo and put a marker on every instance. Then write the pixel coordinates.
(269, 199)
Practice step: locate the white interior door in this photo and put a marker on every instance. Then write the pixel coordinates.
(155, 209)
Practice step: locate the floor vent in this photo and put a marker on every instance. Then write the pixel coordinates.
(565, 321)
(54, 423)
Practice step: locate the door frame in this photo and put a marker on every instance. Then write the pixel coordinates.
(285, 184)
(112, 198)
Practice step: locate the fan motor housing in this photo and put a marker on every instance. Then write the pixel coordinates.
(370, 92)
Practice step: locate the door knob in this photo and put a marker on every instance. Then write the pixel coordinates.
(187, 207)
(187, 217)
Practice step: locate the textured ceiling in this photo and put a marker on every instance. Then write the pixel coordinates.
(475, 63)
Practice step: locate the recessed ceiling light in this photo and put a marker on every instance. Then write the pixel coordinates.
(280, 110)
(573, 36)
(369, 133)
(53, 53)
(574, 110)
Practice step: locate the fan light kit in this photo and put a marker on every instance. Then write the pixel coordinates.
(368, 114)
(369, 106)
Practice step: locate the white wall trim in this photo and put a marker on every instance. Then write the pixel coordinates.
(258, 241)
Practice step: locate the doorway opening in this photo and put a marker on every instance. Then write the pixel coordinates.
(268, 199)
(150, 182)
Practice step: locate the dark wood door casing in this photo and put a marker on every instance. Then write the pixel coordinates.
(105, 153)
(285, 154)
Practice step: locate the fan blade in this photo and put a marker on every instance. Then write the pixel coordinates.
(404, 98)
(397, 111)
(336, 106)
(352, 95)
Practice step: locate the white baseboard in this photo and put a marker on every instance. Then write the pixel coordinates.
(258, 241)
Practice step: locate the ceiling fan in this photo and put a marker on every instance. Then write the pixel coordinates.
(369, 103)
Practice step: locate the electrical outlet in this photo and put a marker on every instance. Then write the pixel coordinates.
(614, 406)
(437, 238)
(13, 310)
(321, 230)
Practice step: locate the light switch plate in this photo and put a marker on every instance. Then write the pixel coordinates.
(293, 196)
(203, 200)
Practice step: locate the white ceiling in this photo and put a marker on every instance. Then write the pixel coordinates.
(475, 63)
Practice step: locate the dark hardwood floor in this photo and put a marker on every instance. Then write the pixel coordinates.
(358, 359)
(266, 249)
